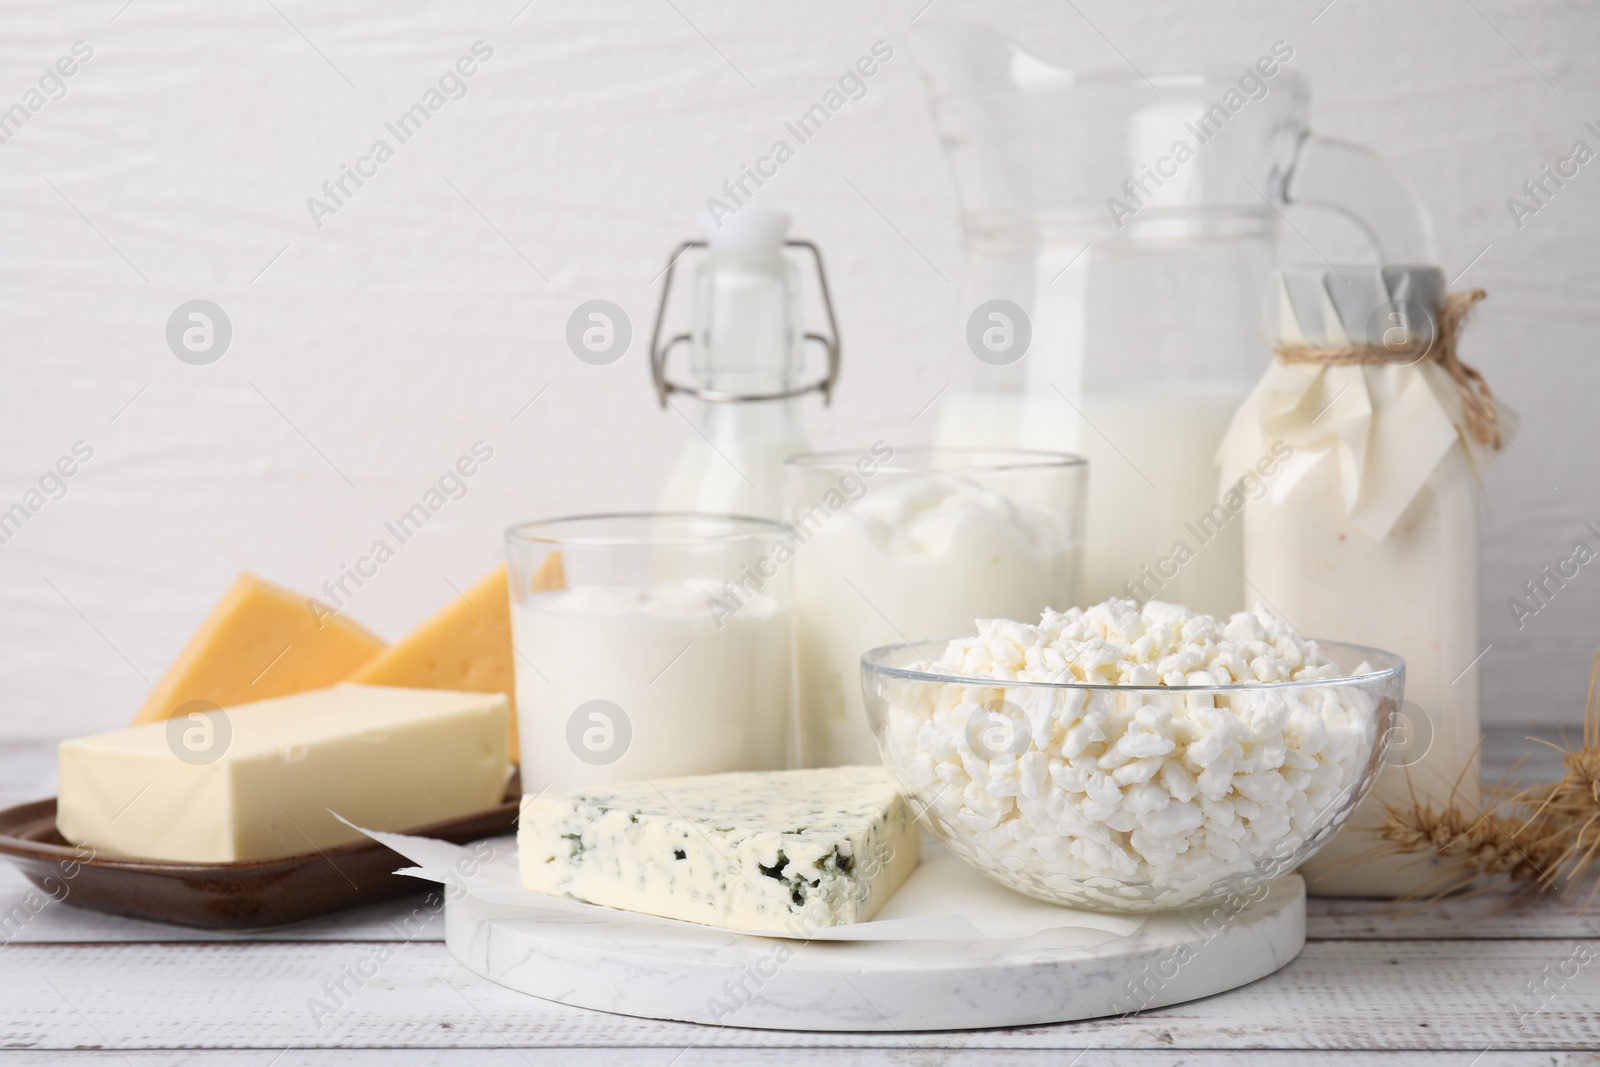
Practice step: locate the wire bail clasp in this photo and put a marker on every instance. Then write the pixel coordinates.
(665, 387)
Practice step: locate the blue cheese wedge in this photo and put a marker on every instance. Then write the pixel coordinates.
(768, 850)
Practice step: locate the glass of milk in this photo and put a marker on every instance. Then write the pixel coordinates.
(650, 645)
(901, 545)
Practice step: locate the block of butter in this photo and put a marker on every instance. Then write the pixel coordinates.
(258, 781)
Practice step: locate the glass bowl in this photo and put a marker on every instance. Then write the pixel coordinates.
(1218, 789)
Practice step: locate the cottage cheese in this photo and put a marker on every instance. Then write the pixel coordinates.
(1130, 798)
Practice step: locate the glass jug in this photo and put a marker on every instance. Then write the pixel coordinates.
(1119, 229)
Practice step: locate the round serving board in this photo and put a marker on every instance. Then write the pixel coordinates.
(709, 976)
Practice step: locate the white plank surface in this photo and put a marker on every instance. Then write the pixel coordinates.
(1442, 983)
(1489, 916)
(834, 1057)
(1338, 995)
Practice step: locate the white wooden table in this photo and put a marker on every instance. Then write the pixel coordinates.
(1479, 982)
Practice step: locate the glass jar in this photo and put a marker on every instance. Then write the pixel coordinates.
(897, 546)
(1364, 528)
(649, 645)
(746, 362)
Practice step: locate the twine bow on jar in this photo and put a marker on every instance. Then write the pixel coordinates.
(1478, 405)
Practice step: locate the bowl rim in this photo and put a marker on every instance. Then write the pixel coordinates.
(939, 460)
(870, 661)
(730, 529)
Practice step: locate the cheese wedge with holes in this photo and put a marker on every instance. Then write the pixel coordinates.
(260, 641)
(259, 780)
(467, 646)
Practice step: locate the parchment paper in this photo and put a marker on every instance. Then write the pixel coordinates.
(943, 900)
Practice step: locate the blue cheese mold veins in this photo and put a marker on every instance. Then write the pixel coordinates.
(779, 850)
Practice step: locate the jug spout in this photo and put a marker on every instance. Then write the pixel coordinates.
(1029, 137)
(1163, 153)
(964, 57)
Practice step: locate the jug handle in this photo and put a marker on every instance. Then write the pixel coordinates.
(1365, 188)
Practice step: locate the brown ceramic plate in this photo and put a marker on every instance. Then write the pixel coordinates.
(226, 896)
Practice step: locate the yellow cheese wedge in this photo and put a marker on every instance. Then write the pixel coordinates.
(466, 647)
(260, 641)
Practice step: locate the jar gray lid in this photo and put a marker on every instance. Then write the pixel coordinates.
(1327, 306)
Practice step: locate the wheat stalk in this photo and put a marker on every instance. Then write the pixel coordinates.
(1539, 837)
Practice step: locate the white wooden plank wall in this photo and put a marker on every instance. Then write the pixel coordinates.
(369, 353)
